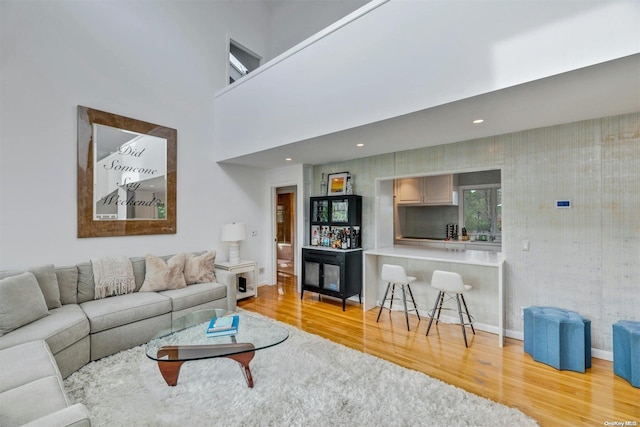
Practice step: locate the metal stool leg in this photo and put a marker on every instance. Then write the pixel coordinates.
(433, 312)
(404, 301)
(414, 301)
(440, 303)
(464, 303)
(383, 300)
(393, 295)
(464, 331)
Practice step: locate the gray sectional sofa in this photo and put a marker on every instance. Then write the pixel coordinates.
(51, 326)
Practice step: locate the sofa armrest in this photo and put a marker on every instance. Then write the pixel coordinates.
(75, 415)
(229, 279)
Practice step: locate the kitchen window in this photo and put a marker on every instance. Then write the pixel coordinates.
(480, 210)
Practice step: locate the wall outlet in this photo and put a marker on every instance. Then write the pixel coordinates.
(521, 313)
(254, 233)
(525, 245)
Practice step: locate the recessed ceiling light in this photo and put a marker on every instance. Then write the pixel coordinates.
(478, 121)
(360, 145)
(288, 159)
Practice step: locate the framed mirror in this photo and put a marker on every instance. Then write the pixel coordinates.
(126, 176)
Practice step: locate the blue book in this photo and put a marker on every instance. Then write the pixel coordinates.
(220, 326)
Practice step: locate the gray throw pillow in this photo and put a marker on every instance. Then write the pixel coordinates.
(48, 281)
(21, 302)
(68, 284)
(86, 284)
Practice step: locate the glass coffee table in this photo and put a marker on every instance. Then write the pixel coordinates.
(187, 340)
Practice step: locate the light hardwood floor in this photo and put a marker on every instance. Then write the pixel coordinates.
(506, 375)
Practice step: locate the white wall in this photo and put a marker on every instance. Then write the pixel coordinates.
(158, 61)
(292, 21)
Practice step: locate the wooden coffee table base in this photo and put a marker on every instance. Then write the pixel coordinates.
(242, 353)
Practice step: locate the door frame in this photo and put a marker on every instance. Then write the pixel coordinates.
(274, 229)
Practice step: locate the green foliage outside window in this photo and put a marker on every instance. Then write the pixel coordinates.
(483, 210)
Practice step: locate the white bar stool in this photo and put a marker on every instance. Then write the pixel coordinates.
(450, 284)
(395, 275)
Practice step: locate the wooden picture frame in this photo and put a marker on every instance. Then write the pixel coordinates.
(90, 226)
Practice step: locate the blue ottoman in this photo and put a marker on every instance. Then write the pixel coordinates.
(626, 351)
(558, 337)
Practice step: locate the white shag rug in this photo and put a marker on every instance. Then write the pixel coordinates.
(305, 381)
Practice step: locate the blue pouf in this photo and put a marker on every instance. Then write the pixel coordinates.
(558, 337)
(626, 351)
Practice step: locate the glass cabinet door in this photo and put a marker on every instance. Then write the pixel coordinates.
(312, 273)
(340, 211)
(320, 211)
(331, 277)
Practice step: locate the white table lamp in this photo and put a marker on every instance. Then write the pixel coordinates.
(234, 233)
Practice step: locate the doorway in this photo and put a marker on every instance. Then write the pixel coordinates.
(285, 230)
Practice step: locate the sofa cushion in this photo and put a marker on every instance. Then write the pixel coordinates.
(21, 302)
(48, 282)
(163, 275)
(9, 273)
(68, 284)
(86, 285)
(19, 386)
(139, 271)
(63, 327)
(33, 354)
(50, 398)
(194, 295)
(200, 268)
(72, 416)
(121, 310)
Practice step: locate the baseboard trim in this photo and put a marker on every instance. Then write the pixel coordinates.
(518, 335)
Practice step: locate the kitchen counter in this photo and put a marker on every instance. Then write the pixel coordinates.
(485, 258)
(480, 268)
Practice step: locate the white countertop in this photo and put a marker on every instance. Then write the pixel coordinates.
(491, 259)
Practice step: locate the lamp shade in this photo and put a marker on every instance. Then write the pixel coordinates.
(234, 232)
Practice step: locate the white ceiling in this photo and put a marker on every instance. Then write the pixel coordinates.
(602, 90)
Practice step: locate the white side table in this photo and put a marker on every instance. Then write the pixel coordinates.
(240, 268)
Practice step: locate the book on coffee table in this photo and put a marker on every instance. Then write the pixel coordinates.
(220, 326)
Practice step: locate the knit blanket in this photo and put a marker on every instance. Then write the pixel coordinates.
(112, 276)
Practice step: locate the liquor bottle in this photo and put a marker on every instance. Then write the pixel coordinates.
(349, 186)
(323, 186)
